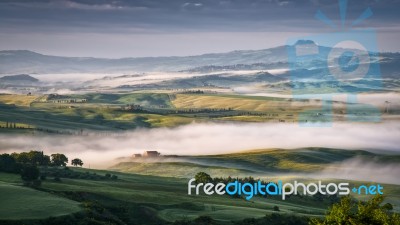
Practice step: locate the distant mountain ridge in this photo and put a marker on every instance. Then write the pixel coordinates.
(18, 78)
(28, 62)
(23, 61)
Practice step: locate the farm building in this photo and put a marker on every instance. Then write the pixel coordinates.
(151, 154)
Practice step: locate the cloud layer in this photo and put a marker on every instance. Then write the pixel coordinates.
(88, 27)
(198, 139)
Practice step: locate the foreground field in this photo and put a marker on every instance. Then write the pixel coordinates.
(162, 198)
(144, 196)
(22, 203)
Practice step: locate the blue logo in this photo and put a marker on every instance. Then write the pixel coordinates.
(343, 62)
(249, 190)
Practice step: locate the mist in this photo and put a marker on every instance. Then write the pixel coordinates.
(362, 170)
(100, 149)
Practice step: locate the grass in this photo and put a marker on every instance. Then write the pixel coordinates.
(164, 196)
(235, 102)
(268, 164)
(21, 203)
(252, 108)
(249, 163)
(169, 193)
(143, 99)
(180, 169)
(51, 116)
(18, 100)
(102, 112)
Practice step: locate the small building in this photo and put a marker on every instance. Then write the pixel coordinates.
(151, 154)
(137, 155)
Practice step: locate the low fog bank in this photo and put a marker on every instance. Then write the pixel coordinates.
(207, 138)
(362, 170)
(365, 98)
(355, 169)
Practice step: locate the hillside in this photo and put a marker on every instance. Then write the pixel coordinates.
(22, 61)
(138, 199)
(18, 78)
(131, 198)
(266, 162)
(25, 203)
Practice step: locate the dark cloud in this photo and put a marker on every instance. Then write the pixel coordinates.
(182, 14)
(53, 17)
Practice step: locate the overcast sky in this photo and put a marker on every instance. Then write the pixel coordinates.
(132, 28)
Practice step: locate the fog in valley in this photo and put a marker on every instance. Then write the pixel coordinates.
(99, 149)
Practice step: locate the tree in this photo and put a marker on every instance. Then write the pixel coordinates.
(59, 160)
(35, 157)
(45, 160)
(77, 162)
(202, 177)
(348, 212)
(204, 220)
(22, 157)
(8, 164)
(29, 173)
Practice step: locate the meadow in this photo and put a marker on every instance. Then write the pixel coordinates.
(119, 112)
(156, 192)
(161, 198)
(22, 203)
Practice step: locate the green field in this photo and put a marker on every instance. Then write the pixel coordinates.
(165, 198)
(19, 100)
(156, 192)
(110, 112)
(22, 203)
(262, 161)
(235, 102)
(101, 112)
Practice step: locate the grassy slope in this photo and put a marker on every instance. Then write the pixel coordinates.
(270, 108)
(19, 203)
(170, 197)
(143, 99)
(177, 169)
(102, 112)
(251, 162)
(19, 100)
(164, 197)
(269, 163)
(235, 102)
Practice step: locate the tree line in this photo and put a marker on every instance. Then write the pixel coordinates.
(27, 164)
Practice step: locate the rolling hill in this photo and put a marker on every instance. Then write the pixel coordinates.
(23, 61)
(258, 162)
(22, 203)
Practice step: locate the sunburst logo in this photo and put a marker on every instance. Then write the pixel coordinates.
(342, 62)
(343, 11)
